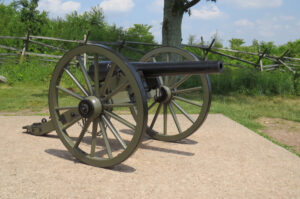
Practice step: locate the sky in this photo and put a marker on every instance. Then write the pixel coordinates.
(271, 20)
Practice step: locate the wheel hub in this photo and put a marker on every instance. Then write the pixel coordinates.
(90, 107)
(164, 95)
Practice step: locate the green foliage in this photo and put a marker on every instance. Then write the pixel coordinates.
(138, 33)
(10, 24)
(253, 82)
(18, 17)
(30, 16)
(34, 72)
(236, 43)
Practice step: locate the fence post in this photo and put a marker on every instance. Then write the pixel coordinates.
(85, 39)
(208, 49)
(25, 46)
(259, 61)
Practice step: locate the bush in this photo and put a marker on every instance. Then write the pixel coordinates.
(297, 83)
(252, 82)
(27, 72)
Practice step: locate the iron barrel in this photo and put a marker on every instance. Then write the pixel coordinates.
(151, 69)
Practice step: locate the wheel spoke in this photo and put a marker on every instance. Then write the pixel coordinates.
(106, 142)
(152, 105)
(130, 105)
(155, 116)
(167, 57)
(83, 131)
(65, 108)
(75, 80)
(94, 137)
(165, 119)
(116, 90)
(68, 124)
(121, 120)
(181, 81)
(96, 76)
(85, 75)
(114, 131)
(171, 80)
(107, 79)
(182, 111)
(187, 90)
(187, 101)
(69, 92)
(175, 118)
(133, 113)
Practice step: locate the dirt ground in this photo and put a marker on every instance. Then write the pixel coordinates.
(222, 159)
(284, 131)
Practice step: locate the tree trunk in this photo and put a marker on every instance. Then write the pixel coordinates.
(171, 29)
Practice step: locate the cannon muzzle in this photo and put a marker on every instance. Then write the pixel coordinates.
(151, 69)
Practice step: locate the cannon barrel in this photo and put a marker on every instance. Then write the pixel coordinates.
(151, 69)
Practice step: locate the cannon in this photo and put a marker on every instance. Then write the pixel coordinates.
(99, 105)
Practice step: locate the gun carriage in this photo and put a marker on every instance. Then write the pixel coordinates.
(99, 106)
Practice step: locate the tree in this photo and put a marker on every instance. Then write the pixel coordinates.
(140, 32)
(236, 43)
(173, 14)
(30, 16)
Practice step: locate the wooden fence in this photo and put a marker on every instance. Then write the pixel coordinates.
(278, 62)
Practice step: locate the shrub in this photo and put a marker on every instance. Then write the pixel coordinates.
(27, 72)
(252, 82)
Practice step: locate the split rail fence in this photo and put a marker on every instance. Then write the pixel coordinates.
(277, 62)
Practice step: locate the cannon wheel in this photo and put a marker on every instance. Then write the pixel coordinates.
(178, 105)
(86, 115)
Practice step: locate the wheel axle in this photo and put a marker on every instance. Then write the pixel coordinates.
(164, 95)
(91, 106)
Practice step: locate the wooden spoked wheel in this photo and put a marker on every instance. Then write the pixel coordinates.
(91, 110)
(181, 104)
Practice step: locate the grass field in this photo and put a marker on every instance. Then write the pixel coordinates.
(241, 108)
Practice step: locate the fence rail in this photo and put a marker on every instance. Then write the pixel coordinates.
(290, 63)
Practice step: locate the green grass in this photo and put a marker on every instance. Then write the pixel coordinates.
(246, 109)
(20, 97)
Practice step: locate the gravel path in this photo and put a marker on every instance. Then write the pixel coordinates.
(222, 160)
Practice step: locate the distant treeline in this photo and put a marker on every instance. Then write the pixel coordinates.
(13, 22)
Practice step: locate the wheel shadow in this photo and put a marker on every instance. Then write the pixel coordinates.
(64, 154)
(68, 156)
(145, 145)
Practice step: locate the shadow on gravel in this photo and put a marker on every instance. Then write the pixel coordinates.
(62, 154)
(68, 156)
(177, 152)
(147, 137)
(153, 148)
